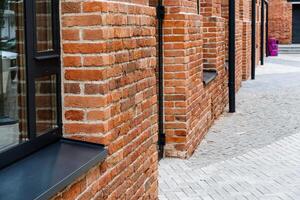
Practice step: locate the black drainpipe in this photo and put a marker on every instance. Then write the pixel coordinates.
(262, 33)
(231, 77)
(253, 40)
(160, 9)
(267, 28)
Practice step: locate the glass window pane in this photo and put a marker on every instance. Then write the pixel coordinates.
(45, 100)
(44, 25)
(13, 122)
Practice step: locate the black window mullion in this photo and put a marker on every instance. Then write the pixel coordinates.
(55, 26)
(58, 102)
(56, 29)
(30, 72)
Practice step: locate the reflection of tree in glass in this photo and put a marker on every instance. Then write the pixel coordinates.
(8, 42)
(2, 21)
(2, 9)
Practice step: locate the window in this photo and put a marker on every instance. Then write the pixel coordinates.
(29, 77)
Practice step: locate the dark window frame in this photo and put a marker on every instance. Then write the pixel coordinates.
(38, 64)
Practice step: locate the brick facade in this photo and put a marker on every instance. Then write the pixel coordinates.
(280, 21)
(109, 52)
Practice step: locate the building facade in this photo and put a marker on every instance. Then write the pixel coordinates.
(110, 70)
(284, 21)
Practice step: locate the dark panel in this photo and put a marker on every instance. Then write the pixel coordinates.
(46, 172)
(296, 23)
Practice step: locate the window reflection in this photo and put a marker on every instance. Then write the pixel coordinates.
(45, 100)
(12, 74)
(44, 25)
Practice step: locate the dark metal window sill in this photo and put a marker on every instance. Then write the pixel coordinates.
(46, 172)
(209, 75)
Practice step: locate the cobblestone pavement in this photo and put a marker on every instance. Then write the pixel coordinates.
(251, 154)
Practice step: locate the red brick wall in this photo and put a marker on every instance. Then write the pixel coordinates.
(280, 21)
(109, 61)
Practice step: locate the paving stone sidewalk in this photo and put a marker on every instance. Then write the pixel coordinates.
(252, 154)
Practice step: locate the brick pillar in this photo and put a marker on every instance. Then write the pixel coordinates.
(109, 97)
(182, 77)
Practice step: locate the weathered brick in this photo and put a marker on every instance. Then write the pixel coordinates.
(75, 128)
(85, 75)
(70, 7)
(74, 115)
(72, 88)
(84, 102)
(72, 61)
(81, 20)
(70, 34)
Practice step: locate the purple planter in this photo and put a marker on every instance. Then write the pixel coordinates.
(273, 47)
